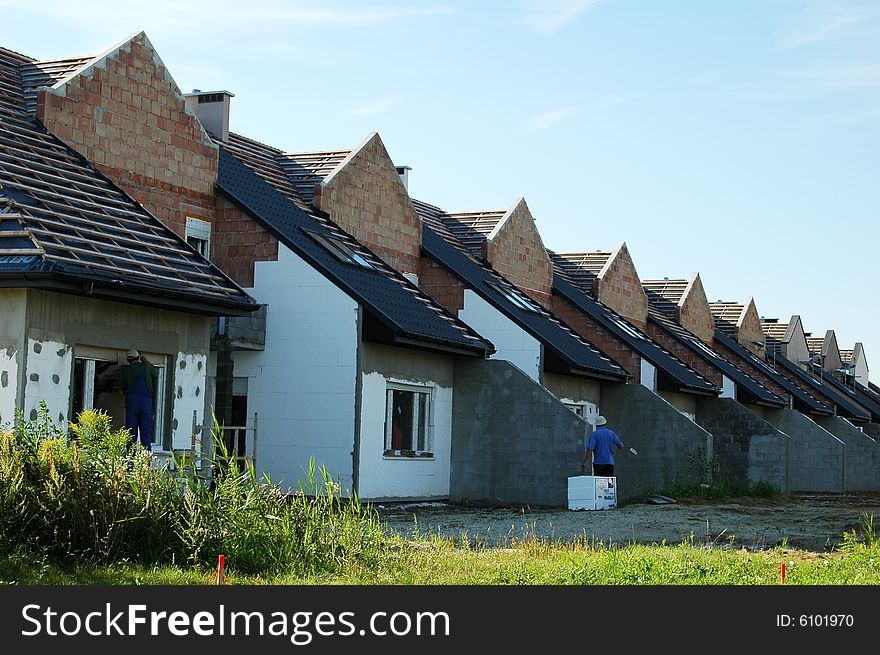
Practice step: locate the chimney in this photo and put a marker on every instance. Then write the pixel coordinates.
(403, 171)
(212, 110)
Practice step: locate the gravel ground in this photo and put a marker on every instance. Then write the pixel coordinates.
(814, 522)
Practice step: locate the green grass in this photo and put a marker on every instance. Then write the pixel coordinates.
(533, 562)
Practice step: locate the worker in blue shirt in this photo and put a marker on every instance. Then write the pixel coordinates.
(599, 446)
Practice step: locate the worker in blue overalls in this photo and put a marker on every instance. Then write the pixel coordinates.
(138, 381)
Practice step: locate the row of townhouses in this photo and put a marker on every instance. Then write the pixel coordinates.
(415, 352)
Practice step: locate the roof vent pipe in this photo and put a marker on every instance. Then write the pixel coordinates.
(403, 172)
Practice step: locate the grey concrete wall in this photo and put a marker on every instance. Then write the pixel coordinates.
(745, 447)
(569, 387)
(513, 442)
(862, 454)
(872, 430)
(818, 458)
(670, 446)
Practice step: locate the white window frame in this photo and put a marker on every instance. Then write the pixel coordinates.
(196, 228)
(428, 390)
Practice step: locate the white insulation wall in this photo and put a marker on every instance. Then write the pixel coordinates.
(302, 386)
(189, 387)
(49, 366)
(512, 343)
(728, 388)
(8, 386)
(403, 477)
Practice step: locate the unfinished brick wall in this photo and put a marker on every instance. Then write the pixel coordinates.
(126, 115)
(749, 329)
(516, 250)
(694, 314)
(441, 285)
(756, 373)
(367, 199)
(685, 354)
(620, 288)
(597, 335)
(238, 241)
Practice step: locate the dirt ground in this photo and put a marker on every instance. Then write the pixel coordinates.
(807, 522)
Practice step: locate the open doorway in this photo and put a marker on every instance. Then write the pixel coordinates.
(96, 386)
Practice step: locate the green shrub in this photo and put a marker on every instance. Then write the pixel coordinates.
(90, 495)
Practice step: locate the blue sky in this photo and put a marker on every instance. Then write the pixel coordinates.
(739, 139)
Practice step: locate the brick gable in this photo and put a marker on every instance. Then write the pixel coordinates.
(620, 288)
(515, 249)
(749, 328)
(365, 197)
(126, 115)
(694, 314)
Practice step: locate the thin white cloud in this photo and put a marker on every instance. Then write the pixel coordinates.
(838, 77)
(376, 107)
(825, 20)
(550, 15)
(551, 118)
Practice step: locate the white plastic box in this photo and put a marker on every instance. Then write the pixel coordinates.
(592, 492)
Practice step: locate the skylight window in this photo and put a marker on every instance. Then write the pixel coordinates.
(339, 249)
(514, 296)
(626, 327)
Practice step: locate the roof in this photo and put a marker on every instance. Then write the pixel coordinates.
(846, 355)
(683, 376)
(866, 402)
(665, 295)
(306, 170)
(49, 72)
(871, 392)
(575, 352)
(849, 408)
(744, 382)
(727, 316)
(773, 329)
(806, 402)
(581, 268)
(411, 316)
(466, 230)
(815, 345)
(65, 227)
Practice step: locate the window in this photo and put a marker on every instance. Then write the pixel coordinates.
(96, 386)
(408, 421)
(339, 249)
(198, 235)
(515, 297)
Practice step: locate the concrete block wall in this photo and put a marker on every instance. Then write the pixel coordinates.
(597, 335)
(862, 454)
(238, 241)
(126, 115)
(746, 448)
(513, 442)
(620, 287)
(818, 458)
(670, 446)
(872, 430)
(694, 314)
(515, 249)
(366, 198)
